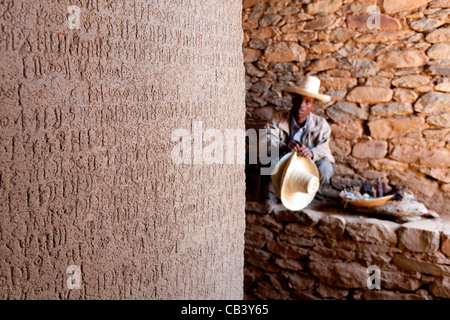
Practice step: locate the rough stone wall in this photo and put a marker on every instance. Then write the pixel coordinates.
(390, 112)
(86, 174)
(324, 254)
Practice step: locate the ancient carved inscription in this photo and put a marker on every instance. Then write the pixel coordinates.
(86, 178)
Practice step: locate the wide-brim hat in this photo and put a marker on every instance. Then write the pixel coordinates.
(296, 181)
(309, 87)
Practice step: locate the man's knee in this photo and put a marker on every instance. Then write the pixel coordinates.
(326, 171)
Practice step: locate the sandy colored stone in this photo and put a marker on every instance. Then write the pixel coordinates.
(320, 22)
(440, 134)
(286, 250)
(393, 6)
(323, 64)
(391, 109)
(442, 120)
(284, 52)
(323, 6)
(259, 44)
(340, 147)
(419, 237)
(309, 217)
(345, 111)
(439, 51)
(372, 230)
(445, 242)
(269, 20)
(340, 274)
(441, 288)
(332, 225)
(339, 73)
(433, 102)
(290, 264)
(296, 37)
(412, 81)
(399, 209)
(251, 55)
(288, 11)
(386, 22)
(264, 114)
(440, 4)
(266, 291)
(371, 149)
(338, 83)
(292, 28)
(417, 142)
(372, 174)
(341, 34)
(388, 165)
(422, 187)
(426, 24)
(250, 3)
(439, 70)
(376, 81)
(261, 86)
(299, 240)
(404, 95)
(441, 35)
(331, 292)
(347, 130)
(325, 47)
(391, 280)
(320, 253)
(391, 128)
(369, 95)
(342, 170)
(298, 282)
(402, 59)
(426, 157)
(264, 33)
(345, 182)
(421, 266)
(384, 36)
(443, 87)
(250, 24)
(253, 71)
(258, 236)
(441, 174)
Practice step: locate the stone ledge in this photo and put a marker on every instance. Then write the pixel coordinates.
(423, 235)
(332, 248)
(425, 267)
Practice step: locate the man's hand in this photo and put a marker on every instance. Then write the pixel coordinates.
(296, 146)
(306, 152)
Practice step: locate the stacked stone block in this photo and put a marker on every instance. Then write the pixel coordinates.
(311, 254)
(390, 86)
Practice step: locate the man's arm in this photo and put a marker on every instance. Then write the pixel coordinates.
(322, 149)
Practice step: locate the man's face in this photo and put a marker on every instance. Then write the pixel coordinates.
(302, 107)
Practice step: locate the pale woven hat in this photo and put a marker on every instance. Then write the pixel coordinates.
(296, 181)
(309, 87)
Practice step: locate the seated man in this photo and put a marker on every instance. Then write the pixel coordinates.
(301, 131)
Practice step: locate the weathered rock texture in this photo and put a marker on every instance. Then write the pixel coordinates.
(389, 85)
(323, 253)
(86, 176)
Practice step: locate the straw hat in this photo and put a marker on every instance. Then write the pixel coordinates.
(309, 87)
(296, 181)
